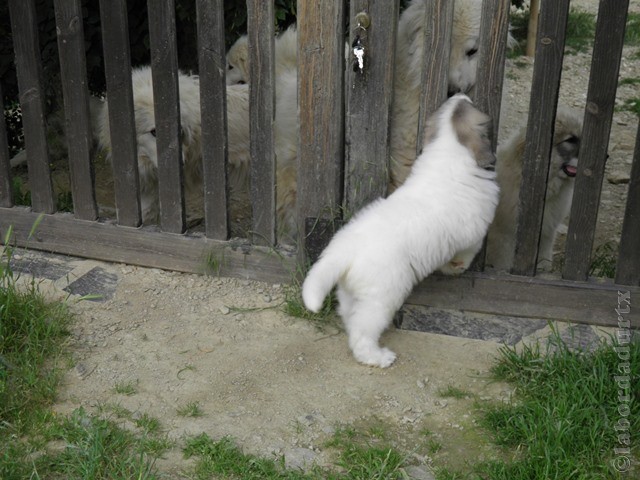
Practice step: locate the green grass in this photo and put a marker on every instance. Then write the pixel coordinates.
(126, 388)
(31, 335)
(34, 442)
(604, 260)
(191, 409)
(453, 392)
(358, 456)
(294, 306)
(632, 32)
(581, 28)
(632, 105)
(561, 423)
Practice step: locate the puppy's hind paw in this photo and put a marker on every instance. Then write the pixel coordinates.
(454, 267)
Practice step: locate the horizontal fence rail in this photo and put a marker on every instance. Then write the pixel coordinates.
(343, 150)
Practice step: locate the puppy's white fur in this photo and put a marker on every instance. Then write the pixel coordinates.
(564, 159)
(286, 51)
(441, 213)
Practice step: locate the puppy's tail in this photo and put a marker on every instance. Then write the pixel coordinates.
(321, 278)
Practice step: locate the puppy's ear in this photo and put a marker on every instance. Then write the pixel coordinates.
(473, 129)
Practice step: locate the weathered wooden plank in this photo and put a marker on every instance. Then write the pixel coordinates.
(369, 94)
(321, 109)
(29, 70)
(542, 109)
(435, 70)
(580, 302)
(73, 70)
(62, 233)
(213, 105)
(6, 190)
(164, 67)
(487, 94)
(262, 95)
(124, 149)
(601, 94)
(628, 266)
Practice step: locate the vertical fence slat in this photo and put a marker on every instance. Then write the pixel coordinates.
(321, 111)
(601, 94)
(260, 25)
(124, 148)
(24, 28)
(73, 70)
(493, 51)
(213, 102)
(435, 70)
(164, 67)
(542, 109)
(628, 266)
(6, 192)
(369, 95)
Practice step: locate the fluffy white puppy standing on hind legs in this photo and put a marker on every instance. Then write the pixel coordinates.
(436, 219)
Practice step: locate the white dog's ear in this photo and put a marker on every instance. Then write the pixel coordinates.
(473, 129)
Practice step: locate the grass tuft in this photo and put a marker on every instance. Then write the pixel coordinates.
(191, 409)
(562, 419)
(604, 260)
(31, 334)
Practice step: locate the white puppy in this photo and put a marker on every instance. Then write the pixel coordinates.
(562, 170)
(286, 51)
(439, 215)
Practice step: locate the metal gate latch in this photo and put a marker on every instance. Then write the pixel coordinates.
(362, 23)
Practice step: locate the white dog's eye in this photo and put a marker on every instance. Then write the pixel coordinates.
(471, 52)
(153, 132)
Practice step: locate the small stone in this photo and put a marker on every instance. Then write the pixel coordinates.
(618, 178)
(224, 310)
(420, 384)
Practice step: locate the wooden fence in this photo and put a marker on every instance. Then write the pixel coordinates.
(344, 136)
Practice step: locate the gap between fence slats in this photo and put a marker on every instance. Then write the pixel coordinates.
(262, 94)
(164, 65)
(601, 94)
(6, 189)
(369, 94)
(213, 106)
(78, 127)
(122, 126)
(539, 139)
(628, 266)
(24, 25)
(321, 115)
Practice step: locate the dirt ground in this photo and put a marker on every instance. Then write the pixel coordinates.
(274, 383)
(278, 384)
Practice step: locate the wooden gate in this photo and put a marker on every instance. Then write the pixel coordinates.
(344, 138)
